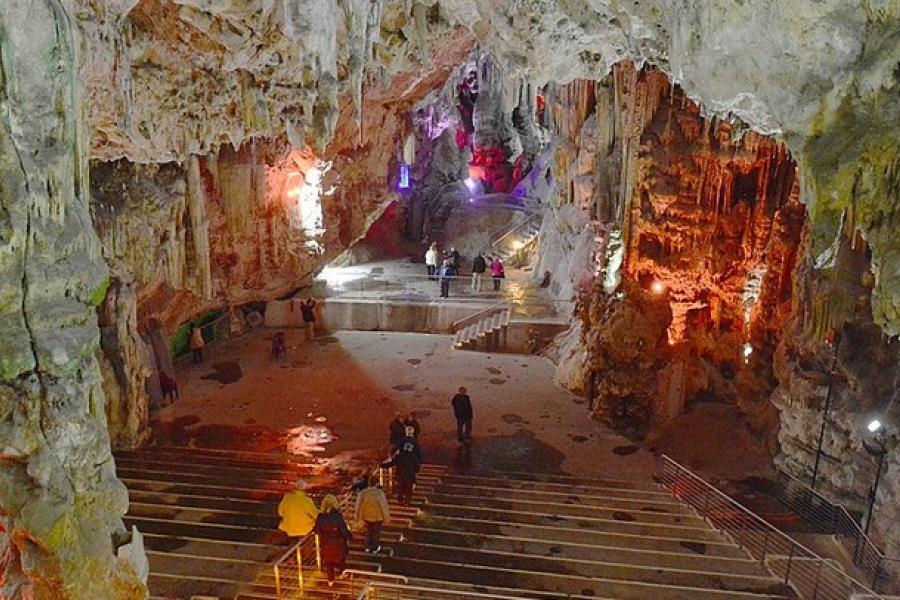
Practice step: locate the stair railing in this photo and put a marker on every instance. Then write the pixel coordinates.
(377, 590)
(811, 576)
(474, 318)
(834, 519)
(306, 550)
(495, 245)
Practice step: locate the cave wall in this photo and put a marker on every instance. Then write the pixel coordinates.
(61, 505)
(671, 202)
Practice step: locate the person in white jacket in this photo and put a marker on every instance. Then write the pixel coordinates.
(431, 261)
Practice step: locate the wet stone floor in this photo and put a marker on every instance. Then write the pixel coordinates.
(333, 397)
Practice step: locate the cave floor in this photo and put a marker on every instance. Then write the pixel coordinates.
(406, 280)
(334, 396)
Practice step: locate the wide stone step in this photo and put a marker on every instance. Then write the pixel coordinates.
(537, 483)
(637, 513)
(558, 533)
(614, 499)
(210, 531)
(212, 473)
(206, 516)
(622, 524)
(188, 565)
(682, 559)
(504, 577)
(201, 490)
(260, 507)
(222, 481)
(261, 463)
(262, 553)
(600, 568)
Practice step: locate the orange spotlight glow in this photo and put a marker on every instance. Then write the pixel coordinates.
(657, 287)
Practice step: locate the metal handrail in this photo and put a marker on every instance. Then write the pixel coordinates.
(515, 228)
(371, 592)
(810, 575)
(297, 548)
(474, 318)
(836, 520)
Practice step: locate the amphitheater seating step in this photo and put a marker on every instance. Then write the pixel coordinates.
(533, 535)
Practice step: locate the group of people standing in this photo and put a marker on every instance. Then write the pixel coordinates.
(448, 269)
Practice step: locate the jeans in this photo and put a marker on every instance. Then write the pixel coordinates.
(463, 429)
(373, 535)
(198, 355)
(310, 329)
(431, 271)
(445, 288)
(476, 281)
(497, 281)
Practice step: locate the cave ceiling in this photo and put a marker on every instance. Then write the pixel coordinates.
(169, 78)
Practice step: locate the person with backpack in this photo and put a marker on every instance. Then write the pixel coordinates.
(406, 462)
(334, 538)
(372, 512)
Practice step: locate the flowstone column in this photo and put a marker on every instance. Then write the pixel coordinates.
(60, 501)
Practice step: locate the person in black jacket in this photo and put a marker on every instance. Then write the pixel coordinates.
(406, 463)
(334, 537)
(462, 410)
(397, 429)
(479, 266)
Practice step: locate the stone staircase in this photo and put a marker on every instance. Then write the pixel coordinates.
(512, 241)
(210, 517)
(485, 330)
(524, 535)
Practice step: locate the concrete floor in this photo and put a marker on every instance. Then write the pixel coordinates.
(347, 387)
(405, 280)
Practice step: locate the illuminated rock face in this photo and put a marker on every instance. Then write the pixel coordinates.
(158, 81)
(708, 226)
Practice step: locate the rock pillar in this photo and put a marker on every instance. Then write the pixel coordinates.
(60, 502)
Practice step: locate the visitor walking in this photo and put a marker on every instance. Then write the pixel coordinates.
(308, 309)
(462, 410)
(431, 260)
(297, 511)
(411, 427)
(197, 344)
(372, 512)
(497, 272)
(406, 463)
(448, 274)
(334, 538)
(397, 431)
(479, 266)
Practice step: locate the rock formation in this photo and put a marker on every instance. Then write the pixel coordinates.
(60, 502)
(237, 146)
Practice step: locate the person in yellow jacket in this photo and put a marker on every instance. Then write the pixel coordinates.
(372, 511)
(297, 511)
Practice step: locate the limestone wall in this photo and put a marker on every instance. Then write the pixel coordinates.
(61, 505)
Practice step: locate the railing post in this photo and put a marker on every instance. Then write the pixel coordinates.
(815, 593)
(787, 571)
(765, 549)
(277, 582)
(318, 554)
(300, 581)
(875, 572)
(742, 531)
